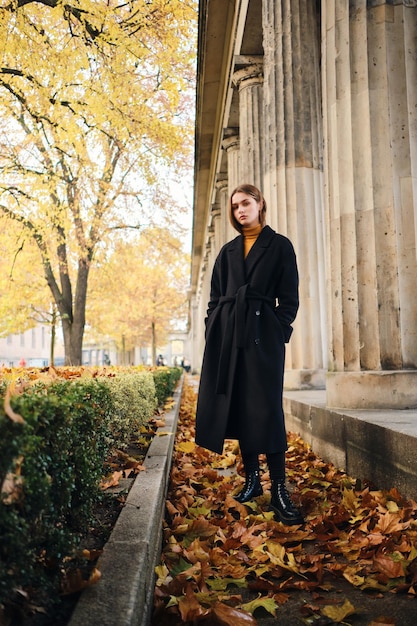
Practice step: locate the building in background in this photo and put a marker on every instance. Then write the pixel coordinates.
(315, 102)
(31, 348)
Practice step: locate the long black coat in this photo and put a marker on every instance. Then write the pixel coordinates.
(253, 302)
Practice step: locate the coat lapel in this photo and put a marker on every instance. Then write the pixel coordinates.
(237, 261)
(258, 249)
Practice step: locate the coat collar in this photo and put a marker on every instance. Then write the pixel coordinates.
(255, 253)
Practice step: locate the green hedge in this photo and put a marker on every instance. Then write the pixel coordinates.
(166, 379)
(51, 466)
(134, 403)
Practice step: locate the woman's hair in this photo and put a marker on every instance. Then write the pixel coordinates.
(249, 190)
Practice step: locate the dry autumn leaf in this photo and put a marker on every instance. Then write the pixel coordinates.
(339, 613)
(15, 417)
(268, 604)
(229, 616)
(75, 582)
(111, 481)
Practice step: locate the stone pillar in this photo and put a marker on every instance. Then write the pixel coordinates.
(249, 81)
(222, 195)
(216, 230)
(231, 144)
(293, 177)
(370, 131)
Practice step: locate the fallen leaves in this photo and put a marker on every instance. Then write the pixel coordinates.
(217, 550)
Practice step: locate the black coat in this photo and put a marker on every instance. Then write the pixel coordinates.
(253, 302)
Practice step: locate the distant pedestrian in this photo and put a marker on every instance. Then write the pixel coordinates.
(253, 302)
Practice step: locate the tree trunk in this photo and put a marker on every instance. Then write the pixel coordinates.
(53, 337)
(153, 339)
(73, 320)
(73, 342)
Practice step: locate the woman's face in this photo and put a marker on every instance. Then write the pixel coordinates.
(245, 209)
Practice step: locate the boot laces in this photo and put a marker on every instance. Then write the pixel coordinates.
(284, 496)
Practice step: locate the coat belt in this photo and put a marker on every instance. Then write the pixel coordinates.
(238, 321)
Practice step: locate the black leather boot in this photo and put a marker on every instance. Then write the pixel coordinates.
(282, 506)
(251, 489)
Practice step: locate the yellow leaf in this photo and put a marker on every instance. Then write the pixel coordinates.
(392, 506)
(268, 604)
(353, 577)
(186, 446)
(339, 613)
(162, 575)
(221, 584)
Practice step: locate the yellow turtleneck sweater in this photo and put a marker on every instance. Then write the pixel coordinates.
(250, 235)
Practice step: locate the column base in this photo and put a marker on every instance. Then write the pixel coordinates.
(304, 379)
(396, 389)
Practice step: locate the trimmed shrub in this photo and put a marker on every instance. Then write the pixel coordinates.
(166, 379)
(50, 468)
(52, 464)
(134, 403)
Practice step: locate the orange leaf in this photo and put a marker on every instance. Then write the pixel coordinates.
(15, 417)
(389, 567)
(228, 616)
(75, 581)
(113, 481)
(189, 606)
(390, 523)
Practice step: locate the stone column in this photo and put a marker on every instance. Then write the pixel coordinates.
(231, 144)
(215, 229)
(293, 177)
(370, 129)
(249, 81)
(222, 195)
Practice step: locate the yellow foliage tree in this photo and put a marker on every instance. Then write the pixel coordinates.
(140, 293)
(25, 299)
(94, 100)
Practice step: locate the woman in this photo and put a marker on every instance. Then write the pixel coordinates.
(253, 301)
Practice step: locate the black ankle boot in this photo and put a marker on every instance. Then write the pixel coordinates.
(282, 506)
(251, 489)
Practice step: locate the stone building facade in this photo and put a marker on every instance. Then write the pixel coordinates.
(315, 102)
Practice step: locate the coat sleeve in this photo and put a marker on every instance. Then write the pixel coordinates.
(287, 290)
(214, 290)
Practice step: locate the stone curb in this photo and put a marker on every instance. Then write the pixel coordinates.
(124, 594)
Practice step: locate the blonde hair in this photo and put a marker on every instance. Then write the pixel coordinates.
(249, 190)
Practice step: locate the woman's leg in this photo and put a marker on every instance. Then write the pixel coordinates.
(281, 503)
(252, 487)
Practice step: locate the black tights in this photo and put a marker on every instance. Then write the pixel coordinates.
(275, 461)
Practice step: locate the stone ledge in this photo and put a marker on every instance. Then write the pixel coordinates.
(377, 445)
(382, 389)
(124, 594)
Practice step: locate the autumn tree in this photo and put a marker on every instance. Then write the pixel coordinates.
(25, 299)
(95, 99)
(139, 293)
